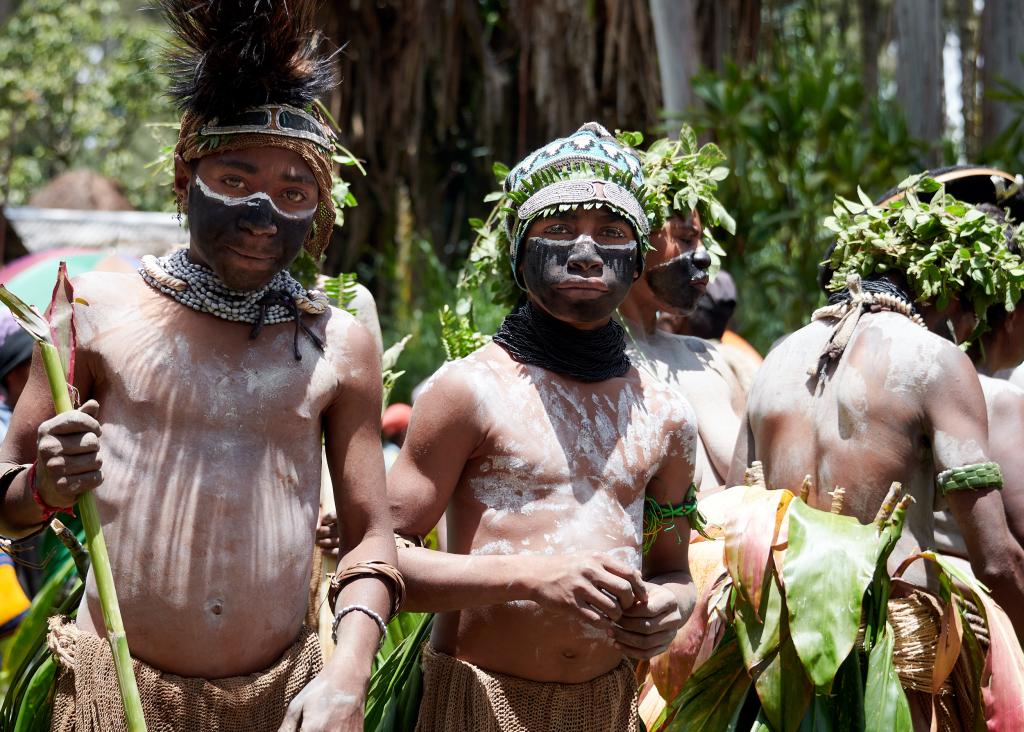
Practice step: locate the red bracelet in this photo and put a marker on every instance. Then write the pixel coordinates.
(48, 510)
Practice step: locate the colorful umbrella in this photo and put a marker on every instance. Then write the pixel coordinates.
(32, 277)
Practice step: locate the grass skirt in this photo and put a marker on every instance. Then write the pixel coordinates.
(460, 696)
(88, 698)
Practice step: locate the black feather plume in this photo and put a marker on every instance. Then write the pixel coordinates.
(230, 55)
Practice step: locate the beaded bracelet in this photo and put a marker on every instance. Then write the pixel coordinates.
(362, 609)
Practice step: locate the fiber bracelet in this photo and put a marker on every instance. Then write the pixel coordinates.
(48, 510)
(366, 611)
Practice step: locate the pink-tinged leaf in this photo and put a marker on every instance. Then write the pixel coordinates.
(61, 316)
(1003, 677)
(749, 535)
(1003, 673)
(671, 669)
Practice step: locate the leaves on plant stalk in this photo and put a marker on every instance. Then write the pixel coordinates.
(885, 705)
(712, 698)
(37, 702)
(61, 317)
(830, 562)
(27, 316)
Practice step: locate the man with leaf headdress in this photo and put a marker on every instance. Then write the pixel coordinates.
(546, 449)
(682, 179)
(843, 621)
(214, 378)
(998, 345)
(867, 395)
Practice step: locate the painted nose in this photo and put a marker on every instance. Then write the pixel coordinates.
(258, 221)
(583, 258)
(701, 259)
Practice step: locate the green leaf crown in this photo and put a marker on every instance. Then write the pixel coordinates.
(945, 248)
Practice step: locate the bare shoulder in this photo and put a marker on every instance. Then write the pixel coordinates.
(109, 288)
(668, 404)
(459, 384)
(348, 343)
(1005, 402)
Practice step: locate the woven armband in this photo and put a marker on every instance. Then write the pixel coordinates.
(375, 569)
(970, 478)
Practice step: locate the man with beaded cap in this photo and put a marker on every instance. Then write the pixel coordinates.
(675, 280)
(867, 394)
(541, 449)
(211, 381)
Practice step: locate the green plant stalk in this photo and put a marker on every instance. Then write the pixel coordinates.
(100, 561)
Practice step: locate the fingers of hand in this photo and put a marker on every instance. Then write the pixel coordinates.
(69, 423)
(669, 621)
(619, 588)
(91, 407)
(602, 602)
(639, 645)
(329, 519)
(630, 574)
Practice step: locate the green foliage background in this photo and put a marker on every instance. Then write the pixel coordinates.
(80, 87)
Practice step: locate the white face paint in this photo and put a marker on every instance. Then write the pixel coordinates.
(253, 199)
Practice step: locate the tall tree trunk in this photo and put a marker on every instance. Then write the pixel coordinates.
(1002, 28)
(919, 76)
(871, 35)
(675, 35)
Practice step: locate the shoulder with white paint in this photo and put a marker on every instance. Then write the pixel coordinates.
(1004, 400)
(472, 374)
(669, 403)
(103, 298)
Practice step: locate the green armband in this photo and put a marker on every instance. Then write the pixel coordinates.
(659, 517)
(970, 478)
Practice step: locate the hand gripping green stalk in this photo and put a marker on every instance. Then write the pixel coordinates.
(37, 327)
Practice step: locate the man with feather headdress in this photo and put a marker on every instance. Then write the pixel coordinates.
(215, 375)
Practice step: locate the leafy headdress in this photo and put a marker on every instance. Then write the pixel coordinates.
(680, 177)
(932, 233)
(247, 73)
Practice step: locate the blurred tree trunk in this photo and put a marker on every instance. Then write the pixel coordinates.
(966, 22)
(1002, 32)
(919, 76)
(676, 36)
(730, 31)
(7, 8)
(871, 36)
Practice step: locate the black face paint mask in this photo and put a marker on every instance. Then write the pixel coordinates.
(679, 283)
(227, 233)
(579, 281)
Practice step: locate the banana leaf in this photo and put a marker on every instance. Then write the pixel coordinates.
(392, 702)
